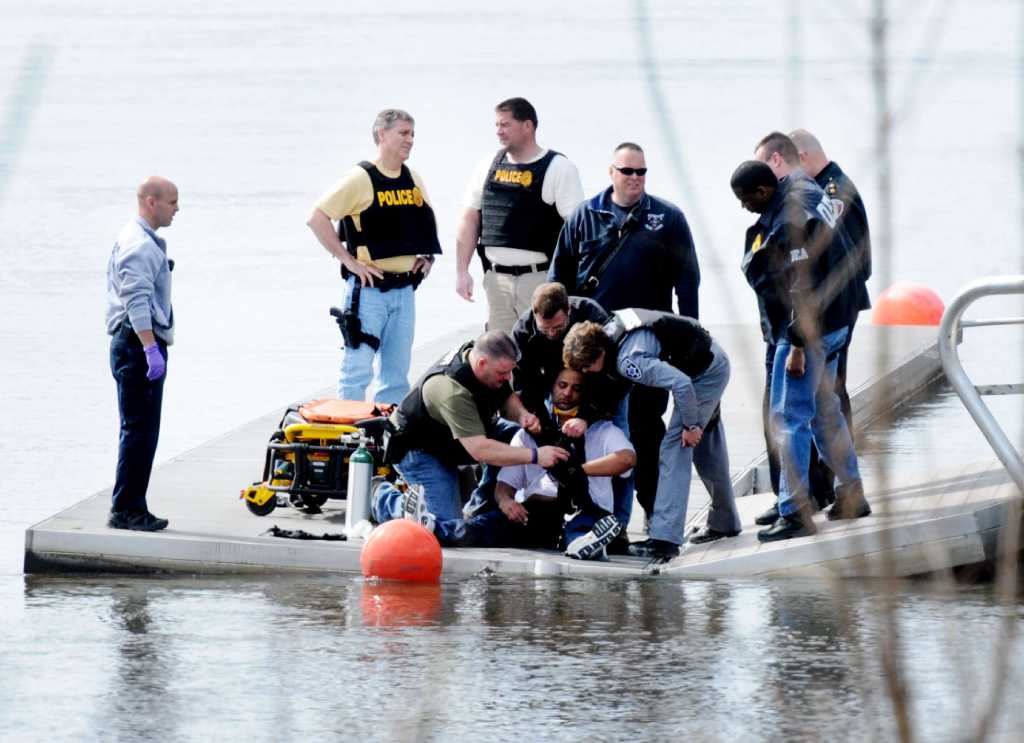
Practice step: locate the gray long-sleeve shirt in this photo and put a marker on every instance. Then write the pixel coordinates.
(638, 362)
(139, 282)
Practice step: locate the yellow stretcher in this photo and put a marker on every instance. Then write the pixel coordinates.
(307, 456)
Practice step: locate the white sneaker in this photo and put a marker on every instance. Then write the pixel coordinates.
(414, 507)
(590, 546)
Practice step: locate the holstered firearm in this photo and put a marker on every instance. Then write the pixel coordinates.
(351, 326)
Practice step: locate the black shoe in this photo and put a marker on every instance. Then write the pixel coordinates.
(850, 503)
(707, 534)
(787, 527)
(619, 545)
(135, 521)
(657, 548)
(768, 517)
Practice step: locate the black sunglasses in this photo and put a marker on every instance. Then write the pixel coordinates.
(631, 171)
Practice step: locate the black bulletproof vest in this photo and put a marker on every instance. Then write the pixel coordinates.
(397, 222)
(684, 342)
(416, 429)
(513, 215)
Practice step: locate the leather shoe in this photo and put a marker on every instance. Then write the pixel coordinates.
(768, 517)
(787, 527)
(707, 534)
(654, 548)
(619, 545)
(850, 503)
(135, 521)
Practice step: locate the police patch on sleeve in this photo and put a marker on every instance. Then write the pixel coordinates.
(631, 369)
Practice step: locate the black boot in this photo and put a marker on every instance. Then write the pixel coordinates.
(850, 502)
(788, 527)
(768, 517)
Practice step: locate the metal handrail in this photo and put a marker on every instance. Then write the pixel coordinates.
(949, 332)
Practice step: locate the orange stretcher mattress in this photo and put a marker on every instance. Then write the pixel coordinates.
(332, 410)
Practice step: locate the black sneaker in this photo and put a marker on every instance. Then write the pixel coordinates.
(787, 527)
(135, 521)
(619, 545)
(654, 548)
(768, 517)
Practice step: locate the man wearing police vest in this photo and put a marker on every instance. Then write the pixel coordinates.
(668, 351)
(515, 206)
(386, 241)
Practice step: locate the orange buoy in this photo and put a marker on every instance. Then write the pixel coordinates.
(401, 550)
(905, 303)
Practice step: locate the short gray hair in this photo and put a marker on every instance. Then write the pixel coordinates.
(496, 344)
(387, 119)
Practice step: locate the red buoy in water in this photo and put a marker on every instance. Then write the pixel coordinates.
(905, 303)
(401, 550)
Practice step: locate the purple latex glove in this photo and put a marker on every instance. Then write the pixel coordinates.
(157, 366)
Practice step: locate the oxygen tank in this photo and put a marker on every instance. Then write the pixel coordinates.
(360, 470)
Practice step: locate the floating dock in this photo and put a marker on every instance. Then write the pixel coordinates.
(922, 521)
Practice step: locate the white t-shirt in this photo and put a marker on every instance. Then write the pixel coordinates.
(533, 481)
(561, 187)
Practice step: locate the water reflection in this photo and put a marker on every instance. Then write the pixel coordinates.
(509, 658)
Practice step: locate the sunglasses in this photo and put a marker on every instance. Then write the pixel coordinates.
(631, 171)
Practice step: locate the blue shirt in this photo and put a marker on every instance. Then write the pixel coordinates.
(139, 282)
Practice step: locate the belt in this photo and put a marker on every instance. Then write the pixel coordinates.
(520, 270)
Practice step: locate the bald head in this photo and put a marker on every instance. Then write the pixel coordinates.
(158, 201)
(812, 156)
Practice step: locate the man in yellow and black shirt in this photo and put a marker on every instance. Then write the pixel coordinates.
(386, 241)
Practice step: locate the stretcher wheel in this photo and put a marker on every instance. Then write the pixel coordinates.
(263, 510)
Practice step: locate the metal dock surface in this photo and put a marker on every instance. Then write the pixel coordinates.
(922, 521)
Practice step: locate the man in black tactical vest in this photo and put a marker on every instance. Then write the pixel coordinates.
(386, 241)
(448, 419)
(667, 351)
(516, 204)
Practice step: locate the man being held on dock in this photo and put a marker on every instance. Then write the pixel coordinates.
(450, 419)
(540, 333)
(534, 503)
(626, 248)
(140, 321)
(670, 352)
(790, 260)
(515, 206)
(390, 241)
(852, 218)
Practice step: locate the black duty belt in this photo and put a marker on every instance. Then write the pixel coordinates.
(520, 270)
(397, 280)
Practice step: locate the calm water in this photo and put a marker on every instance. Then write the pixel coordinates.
(254, 108)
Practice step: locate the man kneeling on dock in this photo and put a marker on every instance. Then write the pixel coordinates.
(451, 418)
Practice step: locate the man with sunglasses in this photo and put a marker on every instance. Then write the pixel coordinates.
(624, 248)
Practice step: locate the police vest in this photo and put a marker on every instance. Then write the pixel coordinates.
(684, 342)
(513, 215)
(398, 221)
(416, 429)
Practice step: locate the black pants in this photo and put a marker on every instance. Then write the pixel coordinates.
(646, 430)
(138, 402)
(820, 476)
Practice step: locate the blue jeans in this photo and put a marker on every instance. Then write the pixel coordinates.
(807, 407)
(138, 402)
(482, 498)
(440, 485)
(668, 519)
(391, 317)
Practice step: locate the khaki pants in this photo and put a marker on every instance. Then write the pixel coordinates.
(509, 296)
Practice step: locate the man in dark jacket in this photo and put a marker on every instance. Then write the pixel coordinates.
(790, 260)
(625, 248)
